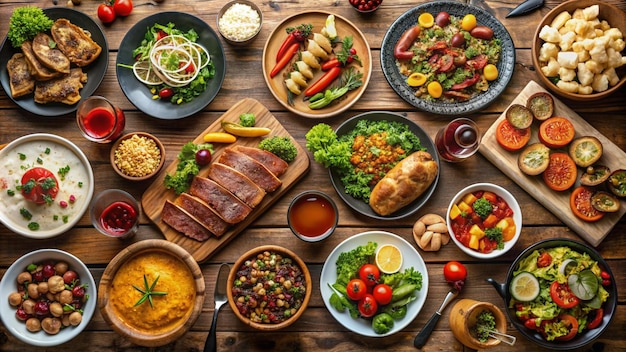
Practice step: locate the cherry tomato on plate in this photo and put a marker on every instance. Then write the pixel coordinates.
(597, 315)
(531, 324)
(367, 305)
(580, 203)
(123, 7)
(511, 138)
(356, 289)
(544, 260)
(39, 185)
(382, 293)
(106, 13)
(562, 295)
(370, 274)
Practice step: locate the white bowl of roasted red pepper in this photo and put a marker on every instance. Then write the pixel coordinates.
(269, 287)
(48, 297)
(578, 294)
(484, 220)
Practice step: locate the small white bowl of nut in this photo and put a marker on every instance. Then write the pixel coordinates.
(48, 297)
(137, 156)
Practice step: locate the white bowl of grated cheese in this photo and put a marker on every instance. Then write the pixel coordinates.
(239, 22)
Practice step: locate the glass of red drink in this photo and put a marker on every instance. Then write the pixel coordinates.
(312, 216)
(458, 140)
(115, 213)
(99, 120)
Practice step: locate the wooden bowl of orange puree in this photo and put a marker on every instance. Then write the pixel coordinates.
(170, 315)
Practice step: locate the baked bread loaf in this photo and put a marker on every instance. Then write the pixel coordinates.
(431, 232)
(404, 183)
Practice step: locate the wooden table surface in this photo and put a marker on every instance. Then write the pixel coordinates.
(316, 329)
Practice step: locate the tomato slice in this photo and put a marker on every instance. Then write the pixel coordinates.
(580, 203)
(562, 295)
(511, 138)
(544, 260)
(39, 185)
(571, 322)
(556, 132)
(561, 172)
(597, 318)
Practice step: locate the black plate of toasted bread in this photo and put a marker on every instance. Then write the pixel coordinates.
(45, 93)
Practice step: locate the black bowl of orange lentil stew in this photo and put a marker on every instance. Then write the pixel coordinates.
(269, 287)
(363, 207)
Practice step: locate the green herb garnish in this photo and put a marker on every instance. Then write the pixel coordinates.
(482, 207)
(147, 291)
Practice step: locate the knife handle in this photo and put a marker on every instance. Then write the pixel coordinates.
(211, 341)
(424, 334)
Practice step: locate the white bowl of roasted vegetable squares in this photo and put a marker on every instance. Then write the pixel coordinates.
(484, 220)
(560, 294)
(48, 297)
(395, 274)
(269, 287)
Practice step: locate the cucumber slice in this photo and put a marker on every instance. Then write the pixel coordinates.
(524, 287)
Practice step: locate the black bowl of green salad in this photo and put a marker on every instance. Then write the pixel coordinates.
(560, 294)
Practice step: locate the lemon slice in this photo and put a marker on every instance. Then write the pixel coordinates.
(389, 259)
(524, 287)
(144, 73)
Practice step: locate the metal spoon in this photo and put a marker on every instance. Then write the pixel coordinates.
(220, 298)
(424, 334)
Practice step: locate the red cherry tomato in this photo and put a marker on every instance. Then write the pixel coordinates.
(544, 260)
(370, 274)
(382, 293)
(367, 305)
(356, 289)
(166, 93)
(597, 318)
(454, 271)
(531, 324)
(570, 322)
(106, 13)
(39, 185)
(123, 7)
(562, 295)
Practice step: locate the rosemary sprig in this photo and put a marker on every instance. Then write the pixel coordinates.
(147, 292)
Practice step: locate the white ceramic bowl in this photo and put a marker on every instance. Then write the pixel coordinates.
(54, 152)
(510, 200)
(8, 284)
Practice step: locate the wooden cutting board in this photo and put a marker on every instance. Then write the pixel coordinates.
(556, 202)
(154, 197)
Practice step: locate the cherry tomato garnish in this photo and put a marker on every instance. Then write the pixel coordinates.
(544, 260)
(356, 289)
(106, 13)
(123, 7)
(39, 185)
(370, 274)
(367, 305)
(382, 293)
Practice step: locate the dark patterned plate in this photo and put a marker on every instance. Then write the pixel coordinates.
(398, 82)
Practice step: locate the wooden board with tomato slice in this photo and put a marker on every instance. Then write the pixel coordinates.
(156, 194)
(556, 202)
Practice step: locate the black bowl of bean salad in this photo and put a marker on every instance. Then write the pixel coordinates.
(269, 287)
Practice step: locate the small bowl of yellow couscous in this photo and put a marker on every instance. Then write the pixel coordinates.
(137, 156)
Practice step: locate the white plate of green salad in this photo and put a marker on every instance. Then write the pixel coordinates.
(327, 147)
(171, 65)
(409, 284)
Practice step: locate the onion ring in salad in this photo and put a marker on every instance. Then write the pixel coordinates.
(180, 50)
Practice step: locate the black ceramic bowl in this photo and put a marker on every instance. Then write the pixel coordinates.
(582, 339)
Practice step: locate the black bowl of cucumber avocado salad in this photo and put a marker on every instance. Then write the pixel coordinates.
(559, 293)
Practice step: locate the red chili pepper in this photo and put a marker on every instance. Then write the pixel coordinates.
(466, 83)
(291, 51)
(323, 82)
(291, 38)
(330, 64)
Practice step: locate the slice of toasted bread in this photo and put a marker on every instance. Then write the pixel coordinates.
(20, 79)
(75, 42)
(50, 57)
(64, 89)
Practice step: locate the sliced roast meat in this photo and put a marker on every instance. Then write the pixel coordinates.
(258, 173)
(202, 213)
(227, 205)
(272, 162)
(183, 222)
(237, 183)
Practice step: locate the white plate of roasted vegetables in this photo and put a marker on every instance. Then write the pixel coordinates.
(316, 64)
(409, 284)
